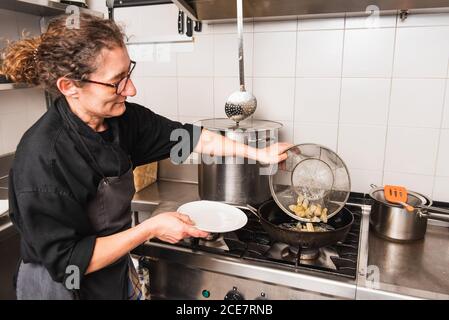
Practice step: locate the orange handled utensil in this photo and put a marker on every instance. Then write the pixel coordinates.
(397, 194)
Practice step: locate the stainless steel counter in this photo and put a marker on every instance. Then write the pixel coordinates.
(5, 165)
(3, 191)
(9, 238)
(5, 222)
(419, 268)
(415, 270)
(4, 183)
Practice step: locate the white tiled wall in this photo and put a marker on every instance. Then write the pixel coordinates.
(377, 94)
(19, 109)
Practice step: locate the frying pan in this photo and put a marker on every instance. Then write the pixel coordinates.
(272, 217)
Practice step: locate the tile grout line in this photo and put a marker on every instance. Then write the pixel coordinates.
(447, 70)
(389, 101)
(440, 131)
(252, 59)
(306, 77)
(375, 125)
(214, 115)
(400, 172)
(252, 65)
(348, 28)
(16, 19)
(336, 29)
(294, 81)
(341, 85)
(177, 86)
(177, 90)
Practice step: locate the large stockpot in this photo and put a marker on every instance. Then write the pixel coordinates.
(237, 180)
(394, 222)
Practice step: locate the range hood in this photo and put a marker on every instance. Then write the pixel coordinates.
(225, 10)
(213, 10)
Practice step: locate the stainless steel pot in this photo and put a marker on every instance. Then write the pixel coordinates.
(394, 222)
(236, 180)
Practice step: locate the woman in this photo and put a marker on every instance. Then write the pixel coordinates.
(71, 183)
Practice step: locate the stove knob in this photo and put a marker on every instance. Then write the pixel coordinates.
(262, 296)
(234, 294)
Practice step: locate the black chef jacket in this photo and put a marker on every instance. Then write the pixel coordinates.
(53, 178)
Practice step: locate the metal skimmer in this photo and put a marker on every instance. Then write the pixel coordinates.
(240, 104)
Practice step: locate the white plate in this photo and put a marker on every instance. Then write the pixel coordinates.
(3, 206)
(211, 216)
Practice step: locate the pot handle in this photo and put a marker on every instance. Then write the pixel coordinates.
(442, 216)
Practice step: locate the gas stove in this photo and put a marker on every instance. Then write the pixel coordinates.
(247, 264)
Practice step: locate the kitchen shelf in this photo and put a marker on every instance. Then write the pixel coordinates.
(13, 86)
(162, 39)
(41, 8)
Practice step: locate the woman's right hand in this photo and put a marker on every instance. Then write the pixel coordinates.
(173, 226)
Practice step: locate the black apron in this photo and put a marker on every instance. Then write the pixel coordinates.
(109, 212)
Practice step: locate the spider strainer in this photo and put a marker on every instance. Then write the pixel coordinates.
(311, 172)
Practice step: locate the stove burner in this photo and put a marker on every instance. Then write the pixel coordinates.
(285, 252)
(305, 254)
(252, 242)
(215, 242)
(212, 237)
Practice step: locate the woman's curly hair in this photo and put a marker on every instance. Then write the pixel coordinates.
(63, 50)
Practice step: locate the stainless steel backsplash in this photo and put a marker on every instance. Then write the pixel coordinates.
(183, 172)
(5, 163)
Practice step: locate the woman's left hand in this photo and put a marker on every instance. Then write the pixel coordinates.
(274, 153)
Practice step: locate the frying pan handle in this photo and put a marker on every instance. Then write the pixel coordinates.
(442, 216)
(250, 208)
(440, 210)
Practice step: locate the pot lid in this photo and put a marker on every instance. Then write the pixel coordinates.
(248, 125)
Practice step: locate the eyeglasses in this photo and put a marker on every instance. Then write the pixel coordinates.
(119, 85)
